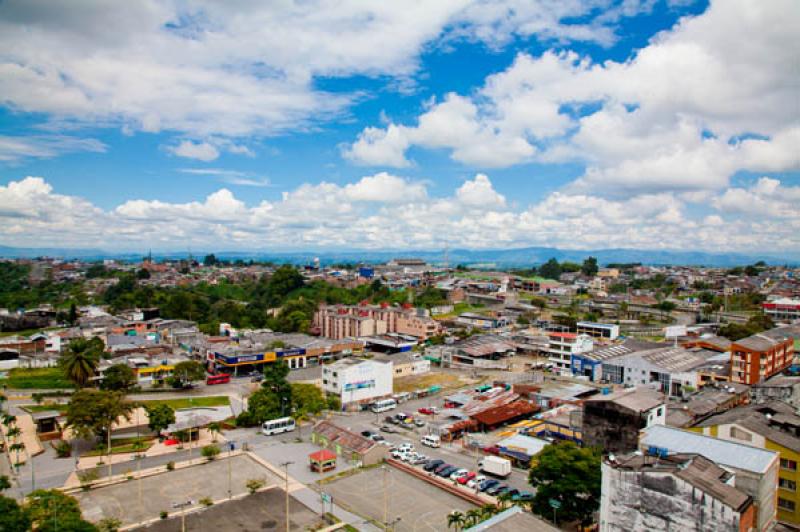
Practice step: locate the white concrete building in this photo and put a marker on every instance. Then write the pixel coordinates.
(358, 381)
(562, 345)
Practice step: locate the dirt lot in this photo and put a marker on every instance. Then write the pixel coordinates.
(448, 381)
(263, 511)
(419, 505)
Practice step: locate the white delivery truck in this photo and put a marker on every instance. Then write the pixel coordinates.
(494, 465)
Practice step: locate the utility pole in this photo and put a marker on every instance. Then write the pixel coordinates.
(110, 471)
(285, 466)
(230, 449)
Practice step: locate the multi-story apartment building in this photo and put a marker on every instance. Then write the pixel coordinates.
(357, 381)
(562, 345)
(760, 356)
(340, 321)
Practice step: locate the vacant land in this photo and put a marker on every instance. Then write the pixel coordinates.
(36, 378)
(417, 504)
(448, 381)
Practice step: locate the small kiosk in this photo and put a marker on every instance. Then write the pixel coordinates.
(322, 461)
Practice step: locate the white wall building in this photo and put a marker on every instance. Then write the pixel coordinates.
(562, 345)
(356, 381)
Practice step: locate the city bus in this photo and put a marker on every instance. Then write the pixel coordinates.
(222, 378)
(276, 426)
(384, 405)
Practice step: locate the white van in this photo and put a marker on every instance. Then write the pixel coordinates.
(431, 441)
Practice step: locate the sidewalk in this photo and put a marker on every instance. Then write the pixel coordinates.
(27, 437)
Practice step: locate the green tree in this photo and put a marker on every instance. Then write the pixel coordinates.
(186, 372)
(96, 270)
(210, 260)
(4, 483)
(142, 273)
(52, 510)
(307, 399)
(214, 428)
(571, 475)
(118, 377)
(285, 280)
(209, 452)
(589, 267)
(109, 524)
(80, 360)
(93, 412)
(334, 403)
(160, 416)
(72, 317)
(550, 269)
(262, 405)
(12, 516)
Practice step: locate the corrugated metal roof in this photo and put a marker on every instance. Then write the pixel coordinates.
(723, 452)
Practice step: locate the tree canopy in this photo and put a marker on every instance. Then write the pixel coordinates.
(118, 377)
(186, 372)
(53, 510)
(160, 416)
(91, 412)
(571, 475)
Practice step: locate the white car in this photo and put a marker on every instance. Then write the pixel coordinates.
(458, 473)
(475, 481)
(398, 454)
(406, 448)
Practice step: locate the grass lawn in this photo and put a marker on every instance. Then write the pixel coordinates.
(448, 381)
(460, 308)
(190, 402)
(36, 378)
(123, 445)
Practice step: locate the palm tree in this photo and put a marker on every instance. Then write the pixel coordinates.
(473, 517)
(488, 510)
(214, 428)
(80, 360)
(504, 500)
(455, 519)
(9, 420)
(16, 447)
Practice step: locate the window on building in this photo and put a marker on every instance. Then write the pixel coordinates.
(789, 465)
(785, 504)
(740, 434)
(786, 484)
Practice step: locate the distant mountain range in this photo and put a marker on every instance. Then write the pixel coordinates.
(484, 258)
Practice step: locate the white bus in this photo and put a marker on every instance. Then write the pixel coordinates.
(276, 426)
(384, 405)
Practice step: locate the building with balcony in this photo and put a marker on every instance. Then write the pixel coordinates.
(561, 346)
(782, 310)
(760, 356)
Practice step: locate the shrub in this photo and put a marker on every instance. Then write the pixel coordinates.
(87, 477)
(109, 524)
(170, 466)
(163, 514)
(254, 484)
(63, 449)
(210, 452)
(206, 501)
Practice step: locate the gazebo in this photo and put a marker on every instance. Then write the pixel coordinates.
(322, 461)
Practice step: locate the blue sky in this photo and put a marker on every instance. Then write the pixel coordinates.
(579, 124)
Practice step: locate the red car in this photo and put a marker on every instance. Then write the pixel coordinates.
(428, 410)
(466, 478)
(492, 449)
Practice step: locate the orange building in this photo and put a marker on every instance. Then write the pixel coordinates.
(760, 356)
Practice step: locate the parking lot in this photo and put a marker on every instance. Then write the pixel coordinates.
(418, 504)
(132, 502)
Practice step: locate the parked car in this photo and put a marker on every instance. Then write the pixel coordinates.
(377, 438)
(406, 447)
(512, 492)
(392, 420)
(428, 410)
(458, 472)
(367, 433)
(492, 449)
(447, 471)
(522, 496)
(476, 482)
(463, 479)
(419, 459)
(387, 443)
(258, 377)
(419, 423)
(487, 484)
(496, 489)
(432, 464)
(398, 454)
(388, 428)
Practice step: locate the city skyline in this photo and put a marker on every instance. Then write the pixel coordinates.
(577, 125)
